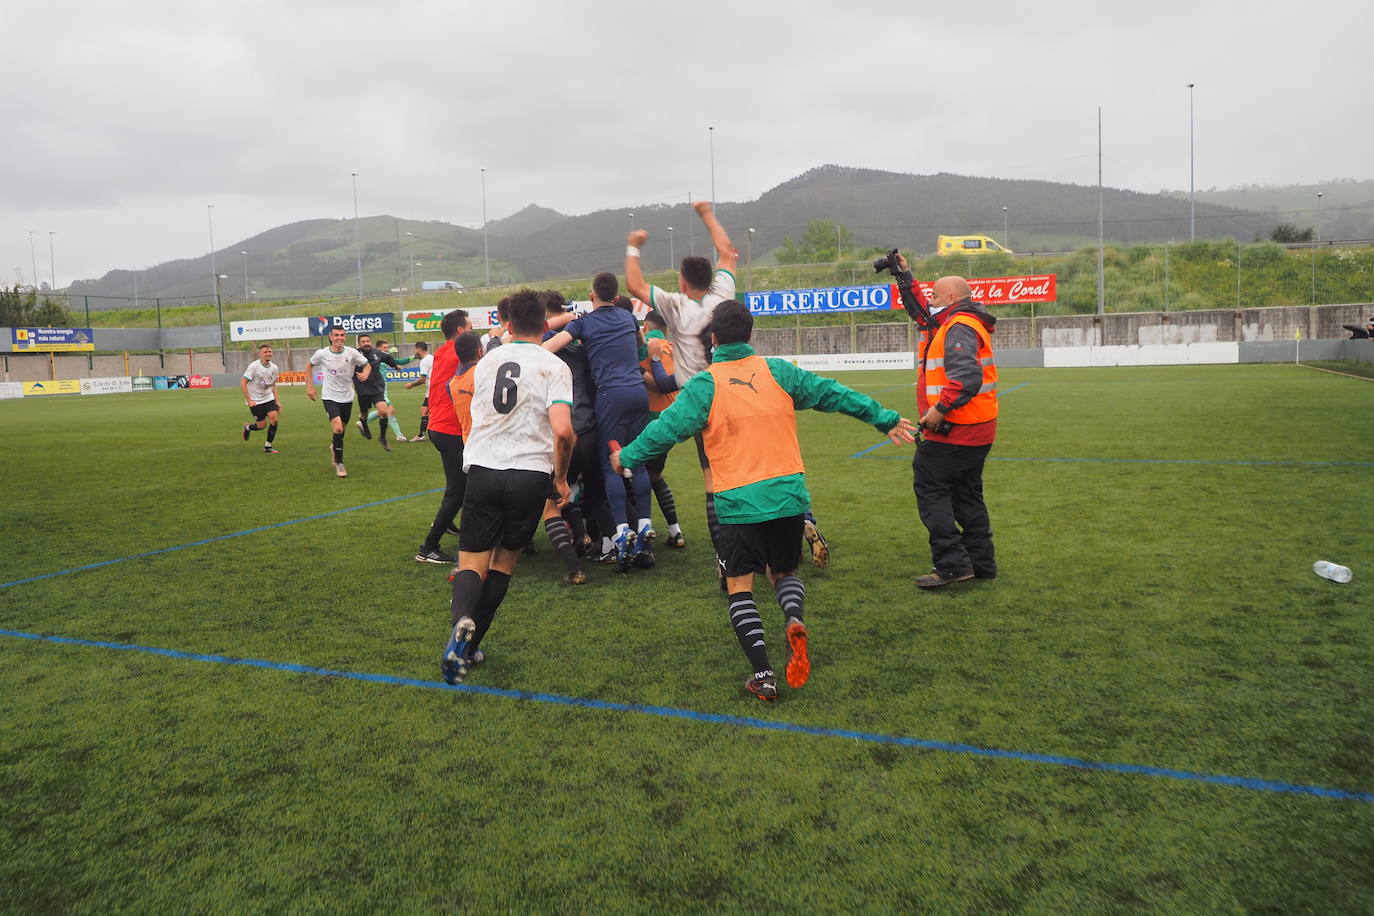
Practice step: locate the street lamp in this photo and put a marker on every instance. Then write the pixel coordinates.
(1192, 205)
(486, 256)
(410, 238)
(422, 272)
(357, 238)
(33, 256)
(52, 260)
(210, 217)
(749, 256)
(245, 275)
(711, 131)
(1315, 242)
(219, 309)
(1006, 242)
(671, 259)
(632, 222)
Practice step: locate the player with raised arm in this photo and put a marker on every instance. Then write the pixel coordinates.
(259, 387)
(516, 457)
(426, 367)
(337, 364)
(761, 494)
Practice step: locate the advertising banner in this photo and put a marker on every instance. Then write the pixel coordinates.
(11, 390)
(271, 329)
(775, 302)
(843, 362)
(1005, 290)
(143, 383)
(199, 381)
(375, 323)
(52, 340)
(58, 386)
(117, 385)
(404, 374)
(423, 322)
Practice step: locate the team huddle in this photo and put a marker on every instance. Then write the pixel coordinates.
(567, 420)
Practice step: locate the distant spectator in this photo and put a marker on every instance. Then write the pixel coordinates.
(1361, 333)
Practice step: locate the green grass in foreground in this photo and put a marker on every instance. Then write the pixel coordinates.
(1146, 613)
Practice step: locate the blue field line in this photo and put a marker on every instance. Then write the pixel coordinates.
(670, 712)
(1000, 395)
(222, 537)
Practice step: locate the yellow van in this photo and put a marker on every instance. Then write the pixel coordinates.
(968, 244)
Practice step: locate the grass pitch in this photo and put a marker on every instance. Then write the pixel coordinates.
(1155, 607)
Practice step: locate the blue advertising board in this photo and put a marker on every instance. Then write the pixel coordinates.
(408, 373)
(376, 323)
(51, 340)
(775, 302)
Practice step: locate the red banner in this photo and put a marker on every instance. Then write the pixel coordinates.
(199, 381)
(1002, 290)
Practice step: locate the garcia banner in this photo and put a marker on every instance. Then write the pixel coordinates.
(52, 340)
(375, 323)
(270, 329)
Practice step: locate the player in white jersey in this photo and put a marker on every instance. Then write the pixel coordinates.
(337, 364)
(259, 387)
(426, 359)
(516, 457)
(688, 315)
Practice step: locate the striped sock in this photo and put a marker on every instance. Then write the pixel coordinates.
(712, 522)
(791, 595)
(744, 617)
(664, 494)
(557, 530)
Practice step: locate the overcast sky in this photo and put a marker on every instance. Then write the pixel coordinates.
(123, 121)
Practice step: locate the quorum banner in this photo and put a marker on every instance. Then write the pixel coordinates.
(835, 299)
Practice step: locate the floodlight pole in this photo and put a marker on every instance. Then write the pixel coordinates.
(1101, 235)
(1192, 204)
(486, 252)
(357, 239)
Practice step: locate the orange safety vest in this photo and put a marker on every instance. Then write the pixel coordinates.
(983, 406)
(462, 404)
(658, 401)
(751, 432)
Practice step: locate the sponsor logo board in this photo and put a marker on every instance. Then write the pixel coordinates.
(142, 383)
(375, 323)
(117, 385)
(272, 329)
(11, 390)
(1005, 290)
(56, 386)
(52, 340)
(199, 381)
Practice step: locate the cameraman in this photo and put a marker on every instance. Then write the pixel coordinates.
(956, 393)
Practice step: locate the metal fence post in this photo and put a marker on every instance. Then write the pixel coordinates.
(90, 356)
(161, 353)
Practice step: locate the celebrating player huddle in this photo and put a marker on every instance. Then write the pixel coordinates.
(568, 419)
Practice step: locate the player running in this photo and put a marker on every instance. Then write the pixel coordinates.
(426, 368)
(259, 387)
(375, 413)
(516, 458)
(743, 399)
(446, 435)
(658, 366)
(371, 389)
(337, 364)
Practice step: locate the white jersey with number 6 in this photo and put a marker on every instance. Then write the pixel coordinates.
(512, 389)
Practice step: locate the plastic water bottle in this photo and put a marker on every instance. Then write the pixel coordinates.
(1328, 570)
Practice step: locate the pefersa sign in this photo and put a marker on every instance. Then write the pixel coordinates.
(377, 323)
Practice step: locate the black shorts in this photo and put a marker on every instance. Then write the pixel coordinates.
(656, 465)
(425, 402)
(367, 400)
(504, 508)
(336, 410)
(760, 546)
(260, 411)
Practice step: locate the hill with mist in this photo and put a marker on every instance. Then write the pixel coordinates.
(880, 209)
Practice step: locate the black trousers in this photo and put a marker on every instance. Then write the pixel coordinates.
(948, 480)
(450, 448)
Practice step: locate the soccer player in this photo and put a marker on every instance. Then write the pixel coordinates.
(517, 457)
(372, 389)
(662, 386)
(259, 387)
(611, 339)
(374, 413)
(761, 494)
(688, 316)
(446, 436)
(426, 367)
(337, 364)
